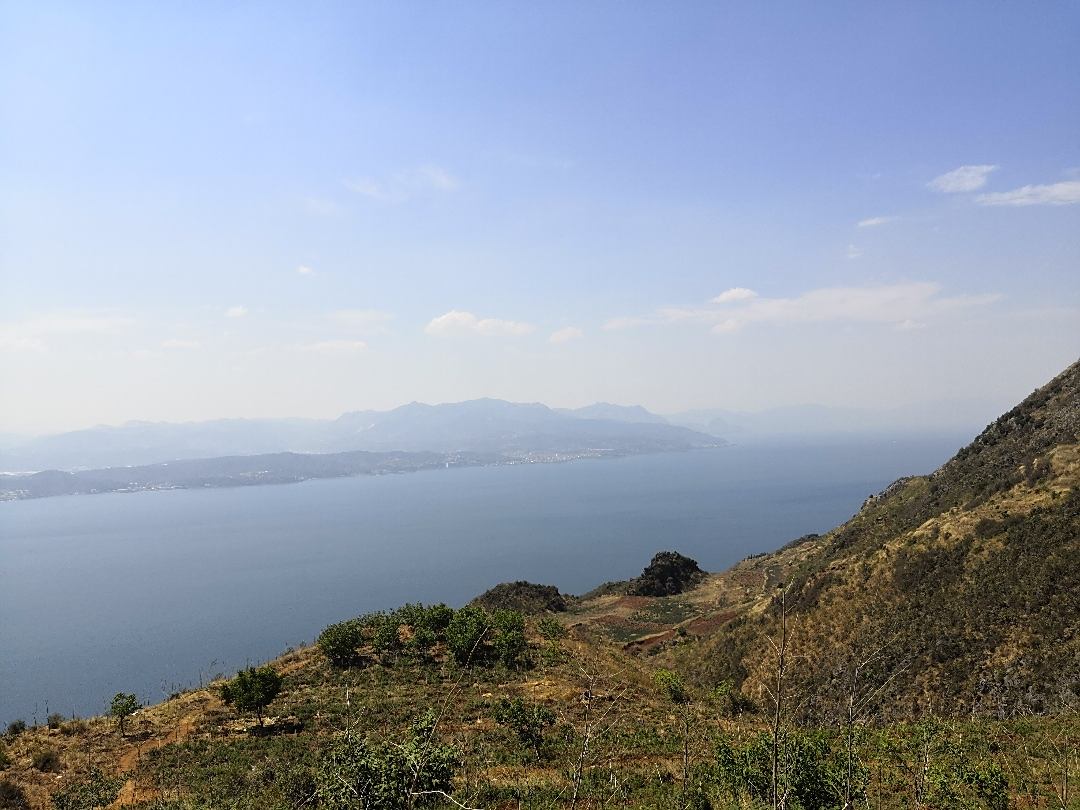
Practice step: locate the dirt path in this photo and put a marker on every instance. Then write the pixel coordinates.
(131, 793)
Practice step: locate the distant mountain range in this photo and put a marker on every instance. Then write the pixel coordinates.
(144, 455)
(475, 426)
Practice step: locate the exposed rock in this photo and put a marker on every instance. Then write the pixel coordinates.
(527, 597)
(669, 573)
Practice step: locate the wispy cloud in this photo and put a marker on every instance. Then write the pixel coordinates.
(905, 306)
(965, 178)
(565, 335)
(405, 185)
(34, 334)
(734, 294)
(458, 322)
(178, 343)
(238, 311)
(854, 252)
(305, 270)
(336, 347)
(873, 222)
(1066, 192)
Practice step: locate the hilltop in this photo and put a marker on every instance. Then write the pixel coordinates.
(924, 653)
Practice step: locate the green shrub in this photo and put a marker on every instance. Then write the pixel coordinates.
(391, 776)
(551, 629)
(509, 641)
(341, 642)
(5, 760)
(97, 791)
(55, 720)
(252, 690)
(465, 633)
(527, 720)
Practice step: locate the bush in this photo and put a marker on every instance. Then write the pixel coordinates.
(509, 641)
(97, 791)
(16, 727)
(466, 632)
(526, 720)
(354, 773)
(5, 760)
(340, 642)
(551, 629)
(73, 728)
(12, 796)
(46, 760)
(55, 720)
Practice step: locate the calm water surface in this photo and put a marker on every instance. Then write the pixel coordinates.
(152, 591)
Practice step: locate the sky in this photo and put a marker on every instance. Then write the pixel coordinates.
(255, 209)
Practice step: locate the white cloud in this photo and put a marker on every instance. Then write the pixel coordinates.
(305, 270)
(177, 343)
(238, 311)
(34, 334)
(873, 222)
(734, 294)
(336, 346)
(404, 185)
(457, 322)
(853, 252)
(906, 306)
(966, 178)
(565, 335)
(1066, 192)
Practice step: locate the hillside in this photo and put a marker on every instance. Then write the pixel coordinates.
(923, 654)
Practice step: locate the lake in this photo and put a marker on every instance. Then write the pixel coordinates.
(150, 592)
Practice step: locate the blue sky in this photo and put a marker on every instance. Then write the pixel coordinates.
(264, 209)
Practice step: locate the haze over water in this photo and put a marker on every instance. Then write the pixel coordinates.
(150, 592)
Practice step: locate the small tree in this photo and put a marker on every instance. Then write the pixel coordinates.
(509, 642)
(527, 720)
(466, 631)
(340, 642)
(252, 690)
(123, 706)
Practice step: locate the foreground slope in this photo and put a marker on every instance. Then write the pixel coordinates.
(963, 586)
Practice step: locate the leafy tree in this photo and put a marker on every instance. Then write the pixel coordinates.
(123, 706)
(97, 791)
(527, 720)
(356, 774)
(252, 690)
(340, 642)
(466, 631)
(509, 642)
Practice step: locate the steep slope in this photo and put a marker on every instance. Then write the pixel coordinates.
(962, 586)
